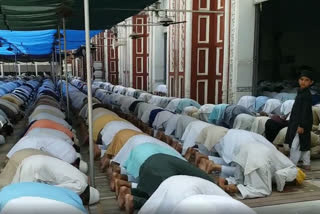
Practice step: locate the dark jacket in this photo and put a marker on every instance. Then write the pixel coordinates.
(301, 116)
(159, 167)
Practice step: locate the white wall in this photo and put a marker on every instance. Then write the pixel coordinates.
(241, 55)
(157, 56)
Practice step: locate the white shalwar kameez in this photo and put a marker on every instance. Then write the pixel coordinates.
(271, 105)
(54, 146)
(172, 106)
(112, 128)
(257, 161)
(47, 116)
(126, 103)
(172, 124)
(191, 133)
(248, 102)
(161, 118)
(52, 133)
(166, 198)
(209, 204)
(50, 170)
(55, 111)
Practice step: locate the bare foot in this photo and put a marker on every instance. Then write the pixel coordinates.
(129, 206)
(105, 161)
(190, 151)
(222, 183)
(149, 131)
(231, 188)
(178, 148)
(116, 168)
(121, 198)
(159, 135)
(119, 183)
(109, 172)
(112, 180)
(97, 152)
(203, 164)
(174, 144)
(200, 156)
(213, 167)
(168, 140)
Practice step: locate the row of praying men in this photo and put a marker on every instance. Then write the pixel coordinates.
(46, 162)
(142, 168)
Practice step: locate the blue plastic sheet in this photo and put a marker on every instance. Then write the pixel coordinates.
(38, 43)
(76, 38)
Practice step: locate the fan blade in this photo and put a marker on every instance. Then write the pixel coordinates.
(175, 23)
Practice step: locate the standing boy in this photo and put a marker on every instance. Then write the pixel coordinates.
(300, 125)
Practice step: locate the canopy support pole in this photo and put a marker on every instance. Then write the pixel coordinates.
(53, 72)
(51, 67)
(55, 64)
(36, 68)
(1, 68)
(89, 84)
(66, 63)
(60, 63)
(15, 63)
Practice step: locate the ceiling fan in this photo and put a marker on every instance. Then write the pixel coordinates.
(166, 21)
(136, 36)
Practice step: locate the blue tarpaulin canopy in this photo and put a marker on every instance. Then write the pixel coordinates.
(38, 44)
(39, 16)
(76, 38)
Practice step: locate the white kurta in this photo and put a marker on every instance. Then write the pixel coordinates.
(144, 110)
(166, 198)
(134, 141)
(191, 133)
(112, 128)
(54, 146)
(172, 106)
(126, 103)
(271, 105)
(286, 107)
(172, 124)
(115, 100)
(210, 136)
(155, 100)
(174, 190)
(47, 116)
(243, 122)
(145, 97)
(205, 111)
(50, 170)
(98, 112)
(146, 113)
(258, 163)
(56, 112)
(248, 102)
(50, 133)
(259, 125)
(209, 204)
(130, 92)
(161, 118)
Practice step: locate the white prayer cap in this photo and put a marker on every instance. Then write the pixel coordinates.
(2, 140)
(94, 196)
(83, 166)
